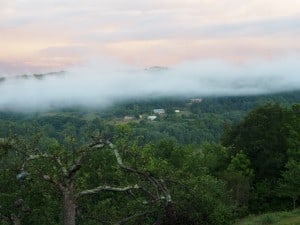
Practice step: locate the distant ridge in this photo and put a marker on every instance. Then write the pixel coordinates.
(38, 76)
(156, 69)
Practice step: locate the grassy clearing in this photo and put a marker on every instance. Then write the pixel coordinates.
(278, 218)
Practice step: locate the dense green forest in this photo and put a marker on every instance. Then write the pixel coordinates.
(194, 161)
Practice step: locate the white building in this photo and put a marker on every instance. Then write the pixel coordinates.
(159, 111)
(196, 100)
(151, 118)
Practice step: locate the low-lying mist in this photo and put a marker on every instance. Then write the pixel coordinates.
(100, 84)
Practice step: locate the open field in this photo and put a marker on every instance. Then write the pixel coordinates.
(278, 218)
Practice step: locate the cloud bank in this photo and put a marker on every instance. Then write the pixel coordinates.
(58, 33)
(100, 84)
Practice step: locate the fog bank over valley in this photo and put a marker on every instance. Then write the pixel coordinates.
(100, 84)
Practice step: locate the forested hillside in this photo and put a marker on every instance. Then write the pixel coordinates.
(186, 160)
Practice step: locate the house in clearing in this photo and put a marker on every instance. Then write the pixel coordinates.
(151, 118)
(159, 111)
(196, 100)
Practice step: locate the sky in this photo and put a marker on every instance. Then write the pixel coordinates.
(51, 35)
(210, 48)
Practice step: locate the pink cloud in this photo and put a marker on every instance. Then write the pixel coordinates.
(58, 33)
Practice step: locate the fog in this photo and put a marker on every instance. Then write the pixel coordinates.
(100, 84)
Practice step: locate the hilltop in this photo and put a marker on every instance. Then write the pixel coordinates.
(38, 76)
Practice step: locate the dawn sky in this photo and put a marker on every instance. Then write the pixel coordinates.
(55, 34)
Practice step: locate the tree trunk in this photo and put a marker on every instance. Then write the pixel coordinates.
(15, 220)
(294, 203)
(69, 207)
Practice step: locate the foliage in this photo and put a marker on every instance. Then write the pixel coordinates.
(239, 175)
(289, 185)
(267, 135)
(254, 169)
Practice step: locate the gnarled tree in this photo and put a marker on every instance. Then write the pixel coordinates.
(61, 169)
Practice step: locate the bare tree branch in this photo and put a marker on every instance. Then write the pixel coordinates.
(54, 158)
(106, 188)
(158, 184)
(63, 169)
(53, 181)
(5, 218)
(74, 169)
(83, 153)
